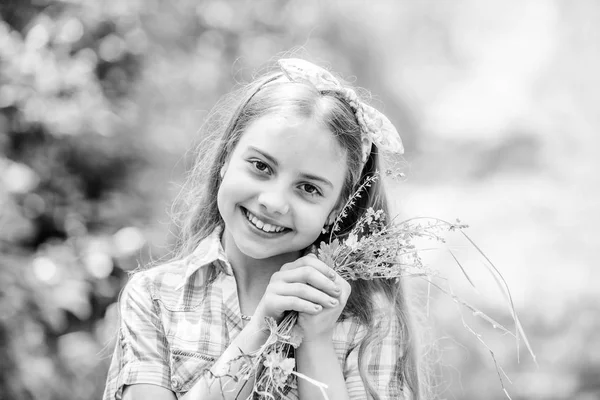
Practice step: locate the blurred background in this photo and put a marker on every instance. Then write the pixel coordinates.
(496, 101)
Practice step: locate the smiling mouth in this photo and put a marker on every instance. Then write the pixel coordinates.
(261, 225)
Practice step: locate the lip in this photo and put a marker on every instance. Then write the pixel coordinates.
(264, 219)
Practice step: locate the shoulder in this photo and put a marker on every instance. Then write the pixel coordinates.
(157, 281)
(180, 285)
(349, 332)
(383, 320)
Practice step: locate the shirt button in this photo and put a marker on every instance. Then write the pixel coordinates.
(175, 383)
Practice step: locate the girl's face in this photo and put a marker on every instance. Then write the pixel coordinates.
(280, 185)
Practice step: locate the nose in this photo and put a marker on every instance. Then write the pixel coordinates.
(274, 201)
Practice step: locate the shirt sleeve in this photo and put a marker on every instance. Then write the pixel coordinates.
(141, 352)
(381, 365)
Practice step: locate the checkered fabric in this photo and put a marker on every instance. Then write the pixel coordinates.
(177, 319)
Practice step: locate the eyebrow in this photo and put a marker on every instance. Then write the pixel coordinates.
(317, 178)
(265, 155)
(303, 175)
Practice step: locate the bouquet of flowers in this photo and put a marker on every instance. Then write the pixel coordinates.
(375, 249)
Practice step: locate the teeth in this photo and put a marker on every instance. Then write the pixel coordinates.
(258, 222)
(272, 228)
(269, 228)
(262, 225)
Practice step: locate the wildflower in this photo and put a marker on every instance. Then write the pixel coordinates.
(295, 336)
(386, 250)
(352, 242)
(279, 368)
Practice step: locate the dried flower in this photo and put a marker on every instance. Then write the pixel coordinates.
(374, 249)
(352, 242)
(295, 336)
(279, 368)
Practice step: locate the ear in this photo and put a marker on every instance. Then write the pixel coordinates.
(333, 215)
(224, 169)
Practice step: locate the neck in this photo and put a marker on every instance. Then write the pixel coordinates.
(252, 275)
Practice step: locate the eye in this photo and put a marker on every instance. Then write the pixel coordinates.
(310, 189)
(260, 166)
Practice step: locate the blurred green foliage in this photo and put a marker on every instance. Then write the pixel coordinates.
(68, 161)
(99, 101)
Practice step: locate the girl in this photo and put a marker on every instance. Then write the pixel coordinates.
(267, 185)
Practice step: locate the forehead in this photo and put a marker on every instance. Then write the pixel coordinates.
(300, 143)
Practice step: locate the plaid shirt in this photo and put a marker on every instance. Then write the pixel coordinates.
(178, 318)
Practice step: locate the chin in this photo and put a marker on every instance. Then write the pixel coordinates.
(263, 253)
(266, 251)
(254, 253)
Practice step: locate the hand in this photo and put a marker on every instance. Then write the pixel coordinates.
(305, 285)
(319, 326)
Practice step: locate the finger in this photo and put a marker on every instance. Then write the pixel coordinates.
(308, 293)
(314, 262)
(294, 303)
(309, 275)
(325, 269)
(346, 290)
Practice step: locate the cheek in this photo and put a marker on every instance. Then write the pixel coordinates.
(233, 179)
(236, 186)
(313, 217)
(221, 196)
(227, 192)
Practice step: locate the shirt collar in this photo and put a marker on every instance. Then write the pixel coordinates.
(208, 252)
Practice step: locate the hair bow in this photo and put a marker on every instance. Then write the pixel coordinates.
(376, 127)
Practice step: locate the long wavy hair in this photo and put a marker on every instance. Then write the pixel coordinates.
(197, 214)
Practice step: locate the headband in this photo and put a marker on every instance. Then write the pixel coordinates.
(374, 126)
